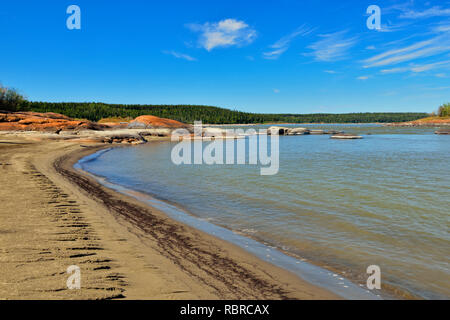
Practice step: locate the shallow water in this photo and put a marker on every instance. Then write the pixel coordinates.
(383, 200)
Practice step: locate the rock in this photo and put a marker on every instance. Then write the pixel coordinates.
(443, 131)
(316, 132)
(148, 122)
(214, 132)
(345, 136)
(297, 131)
(50, 122)
(164, 132)
(333, 132)
(281, 130)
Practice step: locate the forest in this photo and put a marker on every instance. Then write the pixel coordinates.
(10, 100)
(95, 111)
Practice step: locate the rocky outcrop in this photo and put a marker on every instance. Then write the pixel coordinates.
(50, 122)
(346, 136)
(297, 131)
(443, 131)
(287, 131)
(124, 136)
(56, 126)
(280, 130)
(334, 132)
(426, 122)
(213, 132)
(152, 122)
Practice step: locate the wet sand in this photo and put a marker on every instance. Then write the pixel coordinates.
(53, 216)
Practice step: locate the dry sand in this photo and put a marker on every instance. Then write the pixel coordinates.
(52, 216)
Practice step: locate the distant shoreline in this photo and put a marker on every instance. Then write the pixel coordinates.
(290, 123)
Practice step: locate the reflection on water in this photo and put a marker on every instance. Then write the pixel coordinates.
(382, 200)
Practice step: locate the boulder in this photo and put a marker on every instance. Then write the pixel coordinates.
(345, 136)
(149, 122)
(333, 132)
(281, 130)
(297, 131)
(316, 132)
(214, 132)
(443, 131)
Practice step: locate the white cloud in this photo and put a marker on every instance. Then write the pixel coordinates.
(332, 47)
(330, 71)
(422, 49)
(274, 54)
(393, 28)
(395, 70)
(276, 90)
(430, 66)
(225, 33)
(363, 78)
(180, 55)
(435, 11)
(444, 27)
(418, 68)
(370, 48)
(282, 45)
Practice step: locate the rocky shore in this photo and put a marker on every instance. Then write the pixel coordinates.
(426, 122)
(59, 127)
(288, 131)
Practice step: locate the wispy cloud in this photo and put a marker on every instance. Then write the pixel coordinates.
(225, 33)
(276, 90)
(393, 28)
(363, 77)
(274, 54)
(332, 47)
(180, 55)
(442, 27)
(283, 44)
(418, 68)
(422, 49)
(330, 71)
(435, 11)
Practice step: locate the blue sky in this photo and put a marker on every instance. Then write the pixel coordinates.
(258, 56)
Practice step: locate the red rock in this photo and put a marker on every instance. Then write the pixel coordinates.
(156, 122)
(34, 121)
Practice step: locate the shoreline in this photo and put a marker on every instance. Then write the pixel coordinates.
(315, 274)
(67, 169)
(389, 291)
(292, 123)
(148, 255)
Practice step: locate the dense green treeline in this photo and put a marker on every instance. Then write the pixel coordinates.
(10, 99)
(208, 114)
(444, 110)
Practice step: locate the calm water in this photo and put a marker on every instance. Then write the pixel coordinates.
(383, 200)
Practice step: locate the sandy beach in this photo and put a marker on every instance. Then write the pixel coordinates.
(53, 216)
